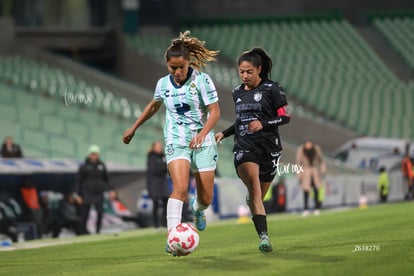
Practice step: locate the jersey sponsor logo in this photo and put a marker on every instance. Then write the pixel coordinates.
(182, 108)
(167, 94)
(243, 129)
(248, 107)
(238, 100)
(275, 121)
(190, 123)
(257, 96)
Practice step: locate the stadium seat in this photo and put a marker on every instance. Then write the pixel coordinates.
(399, 33)
(8, 111)
(52, 124)
(63, 147)
(34, 110)
(79, 130)
(35, 139)
(325, 64)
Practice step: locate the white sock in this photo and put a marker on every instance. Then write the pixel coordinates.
(198, 206)
(174, 211)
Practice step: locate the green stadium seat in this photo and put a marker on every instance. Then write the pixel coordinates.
(7, 94)
(63, 147)
(399, 32)
(79, 130)
(33, 109)
(319, 60)
(34, 152)
(52, 124)
(9, 128)
(29, 117)
(8, 111)
(35, 139)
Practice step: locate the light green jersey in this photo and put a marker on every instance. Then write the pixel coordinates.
(186, 107)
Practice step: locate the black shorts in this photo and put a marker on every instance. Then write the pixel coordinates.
(267, 162)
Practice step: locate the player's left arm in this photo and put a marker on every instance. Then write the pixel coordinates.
(282, 118)
(282, 115)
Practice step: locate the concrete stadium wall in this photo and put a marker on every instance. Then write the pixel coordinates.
(6, 34)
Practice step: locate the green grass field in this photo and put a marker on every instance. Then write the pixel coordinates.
(378, 240)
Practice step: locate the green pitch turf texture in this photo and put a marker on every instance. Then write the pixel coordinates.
(378, 240)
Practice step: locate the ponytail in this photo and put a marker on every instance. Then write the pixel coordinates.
(190, 48)
(258, 57)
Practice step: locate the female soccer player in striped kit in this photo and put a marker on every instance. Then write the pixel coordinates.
(260, 108)
(192, 111)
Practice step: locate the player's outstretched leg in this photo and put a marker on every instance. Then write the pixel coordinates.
(199, 217)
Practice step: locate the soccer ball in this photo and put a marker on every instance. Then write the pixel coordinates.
(183, 239)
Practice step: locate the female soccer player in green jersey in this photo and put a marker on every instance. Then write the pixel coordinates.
(192, 111)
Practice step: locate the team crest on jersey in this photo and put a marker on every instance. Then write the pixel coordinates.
(193, 89)
(257, 96)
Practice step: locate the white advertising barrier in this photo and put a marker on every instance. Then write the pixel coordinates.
(334, 193)
(367, 185)
(340, 190)
(398, 189)
(231, 194)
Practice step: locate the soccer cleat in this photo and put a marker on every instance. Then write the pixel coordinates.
(169, 252)
(316, 212)
(199, 217)
(264, 245)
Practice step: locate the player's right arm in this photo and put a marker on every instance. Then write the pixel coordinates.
(152, 107)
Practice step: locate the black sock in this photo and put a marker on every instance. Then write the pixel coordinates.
(305, 199)
(260, 223)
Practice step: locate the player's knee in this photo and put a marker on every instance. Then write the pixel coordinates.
(179, 193)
